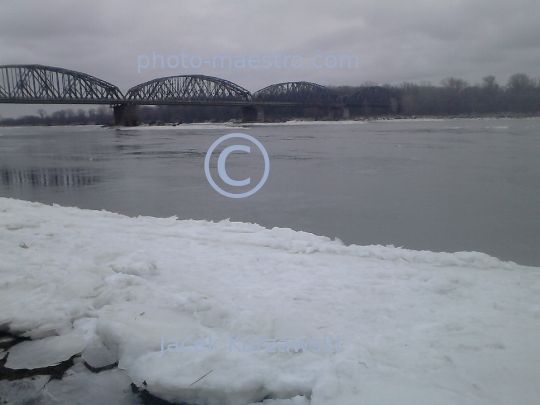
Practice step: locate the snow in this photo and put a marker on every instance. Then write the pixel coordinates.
(413, 326)
(236, 125)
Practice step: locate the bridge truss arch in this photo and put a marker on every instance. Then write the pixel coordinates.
(304, 93)
(34, 84)
(188, 89)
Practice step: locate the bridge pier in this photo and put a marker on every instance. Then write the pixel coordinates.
(260, 114)
(125, 115)
(250, 113)
(339, 112)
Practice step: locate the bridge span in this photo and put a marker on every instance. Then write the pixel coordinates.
(38, 84)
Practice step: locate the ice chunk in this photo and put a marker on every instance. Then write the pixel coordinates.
(81, 386)
(97, 355)
(46, 352)
(298, 400)
(25, 391)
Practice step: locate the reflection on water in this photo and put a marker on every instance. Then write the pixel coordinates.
(47, 177)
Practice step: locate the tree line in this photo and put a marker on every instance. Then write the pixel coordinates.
(456, 97)
(94, 116)
(453, 97)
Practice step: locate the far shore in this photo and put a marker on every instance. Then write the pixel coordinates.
(303, 121)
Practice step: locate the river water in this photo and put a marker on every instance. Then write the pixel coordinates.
(439, 185)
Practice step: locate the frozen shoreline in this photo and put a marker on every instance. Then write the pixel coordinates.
(205, 125)
(211, 125)
(414, 326)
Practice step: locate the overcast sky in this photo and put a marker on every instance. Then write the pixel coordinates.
(395, 41)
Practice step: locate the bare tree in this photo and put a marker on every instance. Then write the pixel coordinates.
(489, 82)
(519, 82)
(454, 84)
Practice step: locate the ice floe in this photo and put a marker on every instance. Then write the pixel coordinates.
(151, 293)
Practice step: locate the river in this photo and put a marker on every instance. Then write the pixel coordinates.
(440, 185)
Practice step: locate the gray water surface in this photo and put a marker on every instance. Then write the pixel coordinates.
(445, 185)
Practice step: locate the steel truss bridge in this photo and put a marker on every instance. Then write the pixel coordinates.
(37, 84)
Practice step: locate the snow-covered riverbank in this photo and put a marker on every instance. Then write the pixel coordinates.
(414, 327)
